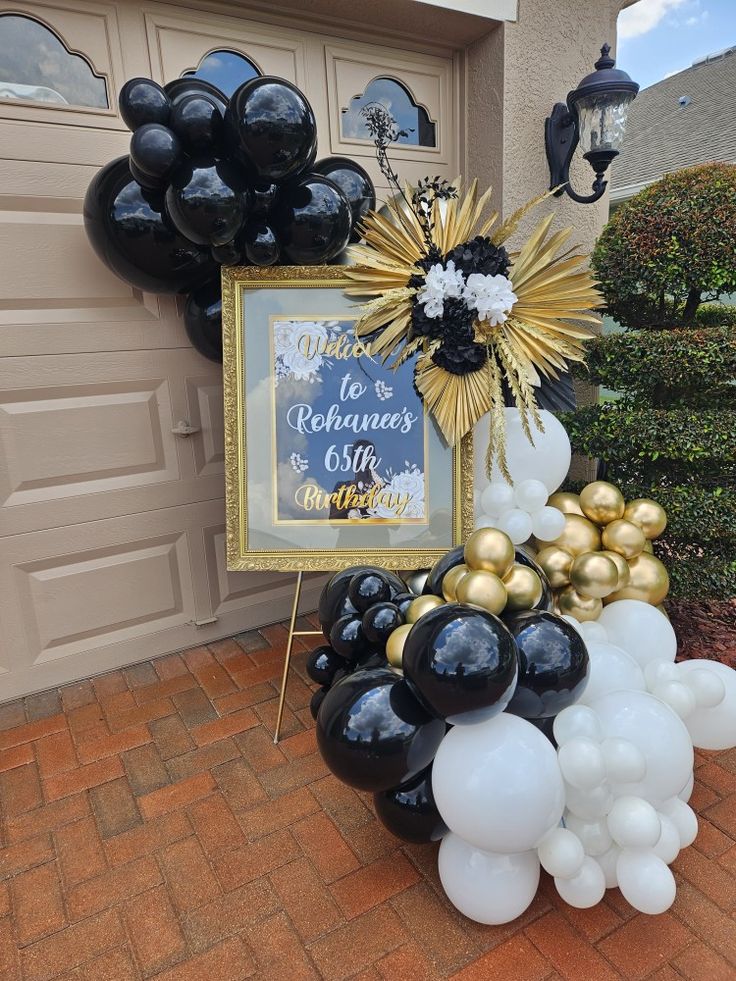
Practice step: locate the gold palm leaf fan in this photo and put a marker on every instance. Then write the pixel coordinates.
(540, 333)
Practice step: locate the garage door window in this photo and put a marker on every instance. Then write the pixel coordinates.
(36, 66)
(225, 69)
(412, 119)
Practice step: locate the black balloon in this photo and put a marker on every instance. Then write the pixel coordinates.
(130, 232)
(147, 182)
(409, 810)
(433, 585)
(272, 127)
(323, 664)
(367, 588)
(355, 184)
(553, 664)
(264, 197)
(155, 151)
(546, 727)
(461, 662)
(230, 254)
(197, 121)
(312, 219)
(347, 637)
(334, 602)
(180, 88)
(208, 200)
(403, 601)
(372, 732)
(316, 700)
(524, 557)
(203, 320)
(259, 244)
(142, 101)
(379, 621)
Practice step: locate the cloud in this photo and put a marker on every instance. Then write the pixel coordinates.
(644, 16)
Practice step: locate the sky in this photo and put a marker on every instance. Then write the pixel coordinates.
(658, 38)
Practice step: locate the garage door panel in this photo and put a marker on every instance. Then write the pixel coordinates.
(204, 397)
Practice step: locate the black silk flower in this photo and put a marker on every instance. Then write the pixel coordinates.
(480, 255)
(461, 357)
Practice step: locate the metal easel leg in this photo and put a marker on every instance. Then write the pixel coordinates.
(289, 647)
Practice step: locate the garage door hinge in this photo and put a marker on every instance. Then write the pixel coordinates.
(204, 623)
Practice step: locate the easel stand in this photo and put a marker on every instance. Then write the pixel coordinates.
(289, 645)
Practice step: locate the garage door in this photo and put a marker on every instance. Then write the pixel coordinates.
(111, 524)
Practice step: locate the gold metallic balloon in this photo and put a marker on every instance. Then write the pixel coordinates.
(593, 574)
(450, 581)
(523, 587)
(579, 535)
(421, 605)
(621, 565)
(395, 645)
(490, 550)
(415, 581)
(647, 515)
(649, 581)
(602, 502)
(566, 502)
(663, 611)
(648, 547)
(555, 563)
(583, 608)
(482, 589)
(623, 537)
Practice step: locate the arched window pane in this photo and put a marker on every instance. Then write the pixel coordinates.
(225, 69)
(414, 119)
(35, 66)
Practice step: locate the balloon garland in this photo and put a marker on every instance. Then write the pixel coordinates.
(519, 737)
(213, 181)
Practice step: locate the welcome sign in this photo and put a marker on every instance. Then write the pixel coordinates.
(330, 458)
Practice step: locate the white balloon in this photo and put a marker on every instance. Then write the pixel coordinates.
(687, 791)
(708, 688)
(645, 881)
(561, 853)
(607, 862)
(498, 784)
(586, 889)
(660, 736)
(486, 887)
(589, 804)
(485, 521)
(547, 459)
(497, 497)
(593, 632)
(611, 669)
(640, 629)
(581, 762)
(517, 524)
(577, 720)
(594, 835)
(573, 622)
(548, 523)
(530, 495)
(684, 819)
(659, 670)
(668, 845)
(678, 696)
(713, 728)
(634, 823)
(625, 762)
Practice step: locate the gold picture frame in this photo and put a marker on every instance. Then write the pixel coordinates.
(257, 539)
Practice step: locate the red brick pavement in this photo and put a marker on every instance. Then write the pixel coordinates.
(151, 829)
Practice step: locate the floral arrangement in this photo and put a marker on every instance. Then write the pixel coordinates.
(479, 319)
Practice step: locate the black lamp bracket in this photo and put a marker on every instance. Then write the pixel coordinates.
(561, 141)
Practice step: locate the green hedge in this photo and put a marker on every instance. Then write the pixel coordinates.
(712, 576)
(716, 315)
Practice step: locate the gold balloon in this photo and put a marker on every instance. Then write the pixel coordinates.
(482, 589)
(415, 581)
(395, 645)
(602, 502)
(555, 563)
(524, 588)
(583, 608)
(450, 581)
(621, 565)
(489, 550)
(647, 515)
(566, 502)
(623, 537)
(663, 611)
(579, 535)
(421, 605)
(649, 581)
(648, 547)
(593, 574)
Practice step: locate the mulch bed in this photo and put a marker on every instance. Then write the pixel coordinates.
(705, 629)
